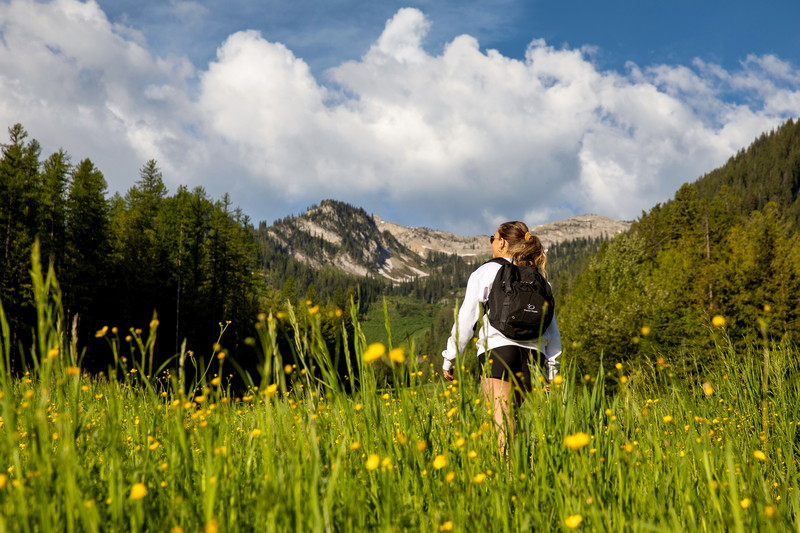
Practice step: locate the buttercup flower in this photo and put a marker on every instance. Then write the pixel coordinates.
(374, 352)
(373, 462)
(138, 491)
(397, 355)
(573, 521)
(577, 440)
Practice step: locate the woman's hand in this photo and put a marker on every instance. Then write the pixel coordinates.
(447, 375)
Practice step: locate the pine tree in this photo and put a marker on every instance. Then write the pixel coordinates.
(141, 256)
(88, 258)
(56, 170)
(20, 201)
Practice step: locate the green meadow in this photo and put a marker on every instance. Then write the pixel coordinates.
(651, 448)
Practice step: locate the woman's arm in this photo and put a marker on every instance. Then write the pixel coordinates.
(468, 314)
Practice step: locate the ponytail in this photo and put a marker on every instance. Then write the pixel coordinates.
(524, 247)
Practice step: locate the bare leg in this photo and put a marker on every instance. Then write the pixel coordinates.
(497, 394)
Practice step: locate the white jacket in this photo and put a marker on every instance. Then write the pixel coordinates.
(478, 287)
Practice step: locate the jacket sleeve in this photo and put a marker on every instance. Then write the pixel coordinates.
(552, 350)
(468, 316)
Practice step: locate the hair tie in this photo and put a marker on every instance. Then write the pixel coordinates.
(527, 236)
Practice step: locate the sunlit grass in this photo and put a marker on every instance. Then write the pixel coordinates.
(295, 452)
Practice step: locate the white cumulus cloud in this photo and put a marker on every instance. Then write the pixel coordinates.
(458, 140)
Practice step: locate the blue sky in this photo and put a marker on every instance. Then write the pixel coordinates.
(450, 115)
(325, 33)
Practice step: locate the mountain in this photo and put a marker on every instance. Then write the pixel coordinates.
(337, 234)
(423, 240)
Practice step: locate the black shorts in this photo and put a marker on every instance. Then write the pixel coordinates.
(508, 361)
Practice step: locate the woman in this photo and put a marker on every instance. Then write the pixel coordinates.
(509, 375)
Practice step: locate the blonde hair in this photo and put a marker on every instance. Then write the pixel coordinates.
(525, 248)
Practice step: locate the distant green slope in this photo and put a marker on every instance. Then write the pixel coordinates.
(726, 245)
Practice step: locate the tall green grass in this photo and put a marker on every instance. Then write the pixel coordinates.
(642, 449)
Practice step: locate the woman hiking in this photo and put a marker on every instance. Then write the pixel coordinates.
(508, 376)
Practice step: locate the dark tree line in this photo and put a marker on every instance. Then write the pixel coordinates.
(121, 260)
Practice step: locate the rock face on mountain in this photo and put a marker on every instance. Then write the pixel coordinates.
(345, 237)
(423, 240)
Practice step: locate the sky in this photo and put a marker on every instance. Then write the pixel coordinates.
(454, 115)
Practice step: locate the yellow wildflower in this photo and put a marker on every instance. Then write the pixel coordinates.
(138, 491)
(373, 461)
(439, 462)
(645, 331)
(479, 478)
(577, 440)
(101, 332)
(718, 321)
(573, 521)
(745, 503)
(668, 419)
(374, 352)
(450, 477)
(761, 456)
(397, 355)
(447, 526)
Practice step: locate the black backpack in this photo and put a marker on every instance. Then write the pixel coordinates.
(521, 304)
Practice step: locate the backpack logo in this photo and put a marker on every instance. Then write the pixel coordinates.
(530, 308)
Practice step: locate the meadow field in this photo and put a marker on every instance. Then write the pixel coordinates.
(651, 448)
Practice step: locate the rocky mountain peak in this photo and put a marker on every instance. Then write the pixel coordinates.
(348, 238)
